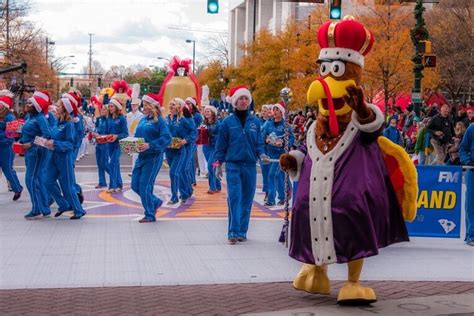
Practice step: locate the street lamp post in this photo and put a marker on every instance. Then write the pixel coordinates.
(48, 42)
(194, 51)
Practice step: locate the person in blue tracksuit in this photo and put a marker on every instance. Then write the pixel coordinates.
(210, 120)
(102, 150)
(51, 123)
(239, 145)
(197, 118)
(273, 135)
(61, 166)
(6, 152)
(35, 125)
(153, 128)
(181, 126)
(266, 115)
(75, 98)
(116, 126)
(466, 155)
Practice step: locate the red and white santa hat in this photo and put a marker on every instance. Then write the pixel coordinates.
(116, 102)
(211, 108)
(191, 100)
(280, 106)
(154, 99)
(236, 92)
(6, 101)
(346, 40)
(70, 104)
(41, 101)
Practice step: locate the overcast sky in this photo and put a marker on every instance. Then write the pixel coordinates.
(127, 32)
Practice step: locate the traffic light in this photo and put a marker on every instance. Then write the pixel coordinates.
(423, 47)
(212, 6)
(99, 82)
(71, 82)
(335, 11)
(429, 61)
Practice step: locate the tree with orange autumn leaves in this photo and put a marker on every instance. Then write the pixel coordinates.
(289, 58)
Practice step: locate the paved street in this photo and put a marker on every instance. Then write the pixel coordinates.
(108, 263)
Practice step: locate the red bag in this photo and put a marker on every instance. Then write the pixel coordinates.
(202, 135)
(18, 149)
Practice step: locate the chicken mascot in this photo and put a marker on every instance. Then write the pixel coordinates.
(355, 186)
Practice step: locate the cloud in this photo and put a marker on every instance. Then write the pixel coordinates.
(126, 31)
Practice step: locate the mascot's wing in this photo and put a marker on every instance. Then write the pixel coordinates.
(403, 176)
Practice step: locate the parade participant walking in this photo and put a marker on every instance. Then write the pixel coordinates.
(116, 126)
(239, 145)
(75, 98)
(61, 167)
(273, 136)
(153, 128)
(183, 130)
(50, 117)
(266, 116)
(102, 150)
(197, 118)
(6, 152)
(212, 124)
(35, 125)
(133, 118)
(466, 155)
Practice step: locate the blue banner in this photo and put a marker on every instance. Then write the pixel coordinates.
(439, 202)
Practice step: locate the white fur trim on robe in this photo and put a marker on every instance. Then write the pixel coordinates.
(299, 156)
(372, 126)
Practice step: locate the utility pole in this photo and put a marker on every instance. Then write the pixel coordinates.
(90, 58)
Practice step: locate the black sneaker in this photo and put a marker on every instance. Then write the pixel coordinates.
(269, 204)
(232, 241)
(17, 195)
(241, 239)
(281, 202)
(76, 216)
(173, 202)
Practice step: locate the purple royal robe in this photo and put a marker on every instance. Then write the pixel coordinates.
(346, 207)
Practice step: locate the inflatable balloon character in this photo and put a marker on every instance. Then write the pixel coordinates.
(122, 92)
(180, 82)
(97, 105)
(105, 95)
(356, 187)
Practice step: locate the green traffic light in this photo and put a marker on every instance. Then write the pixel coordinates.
(335, 13)
(212, 6)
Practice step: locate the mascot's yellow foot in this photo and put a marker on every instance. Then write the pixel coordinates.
(312, 279)
(352, 293)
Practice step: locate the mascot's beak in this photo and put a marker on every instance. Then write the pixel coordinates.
(337, 89)
(328, 92)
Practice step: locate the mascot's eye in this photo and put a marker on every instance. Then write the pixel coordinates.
(325, 69)
(338, 68)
